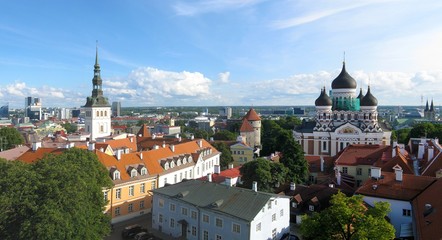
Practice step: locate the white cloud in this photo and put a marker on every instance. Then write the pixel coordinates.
(205, 6)
(224, 77)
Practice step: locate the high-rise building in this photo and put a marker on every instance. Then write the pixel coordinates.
(97, 109)
(116, 109)
(226, 112)
(4, 111)
(33, 108)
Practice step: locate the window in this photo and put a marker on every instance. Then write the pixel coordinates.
(175, 178)
(131, 190)
(117, 211)
(406, 212)
(345, 170)
(190, 173)
(358, 171)
(142, 188)
(258, 227)
(142, 204)
(236, 228)
(172, 223)
(193, 230)
(218, 237)
(98, 113)
(206, 218)
(281, 213)
(219, 222)
(172, 207)
(184, 211)
(161, 203)
(269, 205)
(106, 193)
(206, 235)
(153, 185)
(118, 193)
(116, 175)
(273, 217)
(193, 214)
(369, 172)
(101, 128)
(143, 171)
(311, 208)
(133, 173)
(130, 208)
(160, 218)
(324, 146)
(294, 205)
(274, 233)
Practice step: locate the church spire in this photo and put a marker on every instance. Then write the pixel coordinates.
(96, 81)
(431, 106)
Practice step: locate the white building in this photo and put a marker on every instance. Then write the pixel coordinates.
(399, 190)
(197, 209)
(97, 109)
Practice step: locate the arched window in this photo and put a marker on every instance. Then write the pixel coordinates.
(143, 171)
(98, 113)
(116, 175)
(166, 166)
(133, 173)
(105, 113)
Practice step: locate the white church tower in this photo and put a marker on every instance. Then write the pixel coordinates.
(97, 109)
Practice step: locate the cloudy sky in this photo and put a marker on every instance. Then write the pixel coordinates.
(218, 52)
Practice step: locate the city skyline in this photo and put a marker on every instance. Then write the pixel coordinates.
(215, 53)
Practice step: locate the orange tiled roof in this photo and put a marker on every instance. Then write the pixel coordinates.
(122, 143)
(252, 115)
(144, 131)
(431, 167)
(31, 156)
(246, 126)
(314, 163)
(389, 188)
(361, 154)
(399, 159)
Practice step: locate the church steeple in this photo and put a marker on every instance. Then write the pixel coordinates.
(97, 98)
(431, 106)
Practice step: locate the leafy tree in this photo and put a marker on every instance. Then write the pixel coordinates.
(267, 174)
(9, 138)
(292, 157)
(289, 122)
(423, 130)
(58, 197)
(402, 135)
(70, 128)
(348, 218)
(224, 135)
(226, 155)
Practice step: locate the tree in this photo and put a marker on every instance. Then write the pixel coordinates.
(226, 155)
(292, 157)
(348, 218)
(70, 128)
(224, 135)
(402, 135)
(267, 174)
(58, 197)
(289, 122)
(9, 138)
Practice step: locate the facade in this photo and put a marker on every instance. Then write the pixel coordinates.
(97, 109)
(205, 210)
(343, 118)
(250, 129)
(33, 108)
(4, 111)
(429, 112)
(241, 153)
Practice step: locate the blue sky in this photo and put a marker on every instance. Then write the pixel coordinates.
(218, 52)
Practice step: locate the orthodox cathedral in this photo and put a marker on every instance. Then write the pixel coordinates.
(343, 118)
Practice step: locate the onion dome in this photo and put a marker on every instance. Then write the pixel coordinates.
(360, 96)
(344, 80)
(369, 100)
(323, 99)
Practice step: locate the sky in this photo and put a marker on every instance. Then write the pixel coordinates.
(218, 52)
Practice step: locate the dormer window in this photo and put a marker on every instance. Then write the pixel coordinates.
(166, 166)
(294, 205)
(178, 162)
(143, 171)
(184, 160)
(116, 175)
(190, 159)
(311, 208)
(133, 173)
(172, 164)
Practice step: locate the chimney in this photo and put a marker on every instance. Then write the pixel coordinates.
(421, 150)
(118, 154)
(322, 164)
(36, 145)
(154, 136)
(430, 153)
(254, 186)
(141, 155)
(393, 149)
(292, 186)
(211, 139)
(398, 171)
(164, 144)
(436, 141)
(217, 169)
(192, 137)
(156, 147)
(200, 143)
(91, 146)
(209, 177)
(179, 139)
(338, 177)
(230, 165)
(172, 147)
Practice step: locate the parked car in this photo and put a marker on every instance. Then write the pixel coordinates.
(143, 236)
(131, 231)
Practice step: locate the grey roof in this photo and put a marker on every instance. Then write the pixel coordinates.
(237, 202)
(306, 127)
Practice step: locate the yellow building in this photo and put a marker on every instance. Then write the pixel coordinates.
(241, 153)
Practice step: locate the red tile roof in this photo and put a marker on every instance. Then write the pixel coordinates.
(390, 188)
(228, 173)
(399, 159)
(429, 217)
(31, 156)
(246, 126)
(144, 131)
(432, 166)
(252, 115)
(361, 154)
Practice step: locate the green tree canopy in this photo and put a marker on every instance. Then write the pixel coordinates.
(349, 219)
(267, 174)
(226, 155)
(58, 197)
(70, 128)
(9, 138)
(224, 135)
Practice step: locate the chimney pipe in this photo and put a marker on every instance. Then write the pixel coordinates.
(230, 165)
(141, 155)
(209, 177)
(255, 186)
(172, 147)
(91, 146)
(430, 153)
(420, 152)
(322, 164)
(118, 154)
(36, 145)
(164, 144)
